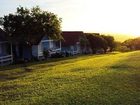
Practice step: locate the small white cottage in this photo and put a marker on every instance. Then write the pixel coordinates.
(46, 44)
(39, 44)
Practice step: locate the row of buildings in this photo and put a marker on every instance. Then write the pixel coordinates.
(70, 44)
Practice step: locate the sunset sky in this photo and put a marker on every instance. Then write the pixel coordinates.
(104, 16)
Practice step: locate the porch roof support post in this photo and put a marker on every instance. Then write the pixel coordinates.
(11, 53)
(50, 43)
(60, 45)
(38, 51)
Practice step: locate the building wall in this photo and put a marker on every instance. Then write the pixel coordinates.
(27, 54)
(5, 49)
(0, 50)
(73, 49)
(5, 54)
(37, 51)
(44, 45)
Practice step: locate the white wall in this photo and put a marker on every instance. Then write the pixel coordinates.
(35, 50)
(0, 49)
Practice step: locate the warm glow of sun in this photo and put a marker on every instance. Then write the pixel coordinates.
(113, 16)
(104, 16)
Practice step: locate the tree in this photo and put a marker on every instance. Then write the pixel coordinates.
(129, 43)
(96, 42)
(26, 24)
(110, 41)
(133, 44)
(136, 43)
(1, 21)
(84, 44)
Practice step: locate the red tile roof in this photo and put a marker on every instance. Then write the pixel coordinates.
(71, 37)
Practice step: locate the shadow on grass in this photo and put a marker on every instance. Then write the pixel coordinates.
(109, 88)
(116, 87)
(130, 63)
(12, 76)
(51, 62)
(23, 69)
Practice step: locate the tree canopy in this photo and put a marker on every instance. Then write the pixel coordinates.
(96, 42)
(26, 24)
(110, 41)
(132, 44)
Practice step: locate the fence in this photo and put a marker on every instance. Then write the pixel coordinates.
(4, 60)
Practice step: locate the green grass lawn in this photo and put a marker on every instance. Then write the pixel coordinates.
(110, 79)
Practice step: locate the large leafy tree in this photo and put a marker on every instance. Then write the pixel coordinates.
(133, 44)
(110, 41)
(25, 25)
(129, 43)
(96, 42)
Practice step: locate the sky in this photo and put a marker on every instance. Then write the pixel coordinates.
(103, 16)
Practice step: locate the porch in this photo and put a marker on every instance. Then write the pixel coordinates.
(46, 45)
(5, 53)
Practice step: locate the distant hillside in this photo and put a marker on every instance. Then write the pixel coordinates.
(122, 38)
(117, 36)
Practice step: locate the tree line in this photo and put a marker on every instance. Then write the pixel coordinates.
(103, 43)
(128, 45)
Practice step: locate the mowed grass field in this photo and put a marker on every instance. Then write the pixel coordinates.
(110, 79)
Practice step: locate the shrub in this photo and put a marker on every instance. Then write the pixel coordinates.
(46, 53)
(123, 49)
